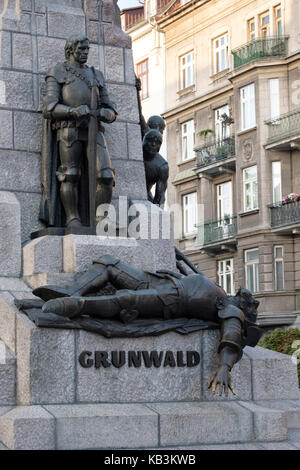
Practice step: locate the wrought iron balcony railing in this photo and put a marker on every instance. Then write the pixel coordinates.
(215, 151)
(260, 48)
(283, 127)
(218, 230)
(285, 214)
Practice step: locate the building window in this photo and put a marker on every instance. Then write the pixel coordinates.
(248, 106)
(189, 213)
(224, 201)
(143, 75)
(252, 270)
(278, 20)
(221, 129)
(188, 140)
(187, 70)
(225, 275)
(250, 188)
(274, 98)
(220, 48)
(265, 24)
(276, 182)
(278, 267)
(251, 29)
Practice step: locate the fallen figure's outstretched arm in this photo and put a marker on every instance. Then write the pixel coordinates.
(230, 348)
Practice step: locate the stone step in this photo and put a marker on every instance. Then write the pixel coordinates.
(141, 426)
(294, 437)
(291, 408)
(7, 376)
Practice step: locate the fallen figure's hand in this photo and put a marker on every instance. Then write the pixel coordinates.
(222, 378)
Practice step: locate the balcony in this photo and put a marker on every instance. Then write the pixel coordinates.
(285, 218)
(216, 157)
(260, 49)
(284, 132)
(217, 236)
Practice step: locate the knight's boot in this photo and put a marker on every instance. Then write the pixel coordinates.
(89, 281)
(69, 198)
(66, 307)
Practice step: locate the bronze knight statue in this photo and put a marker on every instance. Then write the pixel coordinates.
(77, 175)
(163, 296)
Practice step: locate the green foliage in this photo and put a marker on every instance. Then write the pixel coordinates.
(204, 133)
(281, 341)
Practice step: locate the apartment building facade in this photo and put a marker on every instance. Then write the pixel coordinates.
(232, 107)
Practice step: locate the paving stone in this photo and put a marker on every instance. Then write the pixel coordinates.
(203, 423)
(294, 437)
(10, 235)
(43, 255)
(28, 131)
(63, 21)
(104, 426)
(127, 175)
(50, 52)
(116, 138)
(269, 424)
(135, 149)
(93, 31)
(131, 384)
(277, 446)
(92, 9)
(129, 67)
(7, 376)
(6, 129)
(28, 428)
(79, 251)
(18, 89)
(274, 375)
(5, 49)
(38, 280)
(45, 358)
(125, 98)
(41, 25)
(19, 170)
(30, 208)
(155, 223)
(114, 36)
(8, 320)
(13, 284)
(22, 51)
(216, 447)
(114, 64)
(94, 56)
(12, 20)
(290, 407)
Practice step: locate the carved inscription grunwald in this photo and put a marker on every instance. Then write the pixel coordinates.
(139, 358)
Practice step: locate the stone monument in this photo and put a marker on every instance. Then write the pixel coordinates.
(71, 388)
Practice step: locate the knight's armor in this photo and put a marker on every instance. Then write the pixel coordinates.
(66, 89)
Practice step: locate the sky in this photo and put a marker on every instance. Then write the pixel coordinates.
(128, 3)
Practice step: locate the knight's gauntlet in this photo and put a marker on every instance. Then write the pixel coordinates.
(232, 320)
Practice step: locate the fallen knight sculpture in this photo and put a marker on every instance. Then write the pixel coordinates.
(162, 296)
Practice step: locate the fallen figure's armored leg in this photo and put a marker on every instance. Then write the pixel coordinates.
(125, 305)
(107, 269)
